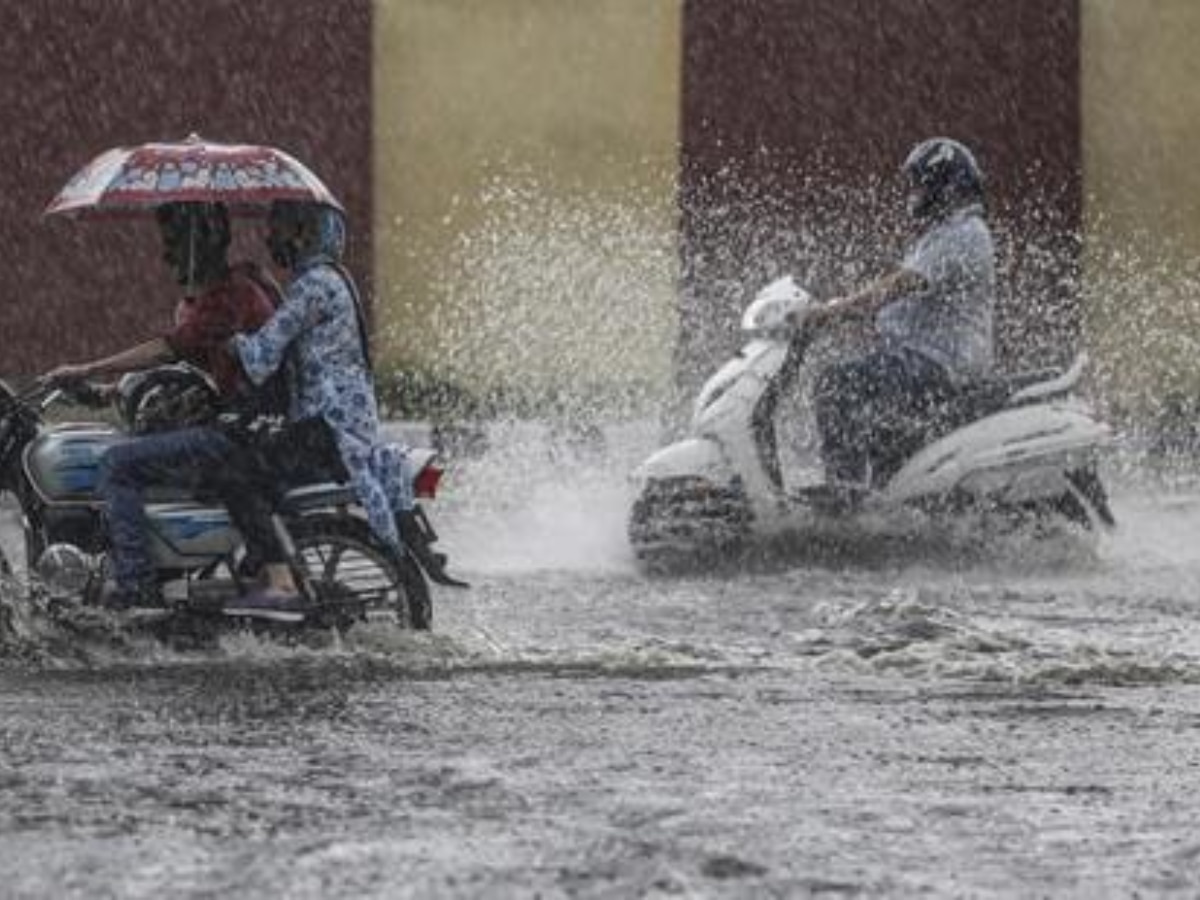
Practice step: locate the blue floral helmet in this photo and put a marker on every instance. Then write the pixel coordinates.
(302, 231)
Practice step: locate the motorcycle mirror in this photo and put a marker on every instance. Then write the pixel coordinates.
(51, 398)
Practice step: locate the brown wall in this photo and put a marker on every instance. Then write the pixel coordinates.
(792, 107)
(79, 76)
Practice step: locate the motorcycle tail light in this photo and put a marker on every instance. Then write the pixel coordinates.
(426, 482)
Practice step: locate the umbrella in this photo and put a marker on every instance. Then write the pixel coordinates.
(245, 177)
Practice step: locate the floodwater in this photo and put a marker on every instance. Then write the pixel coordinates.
(929, 721)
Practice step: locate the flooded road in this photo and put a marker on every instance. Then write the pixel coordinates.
(928, 722)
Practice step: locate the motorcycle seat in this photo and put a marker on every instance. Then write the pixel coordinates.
(320, 494)
(297, 499)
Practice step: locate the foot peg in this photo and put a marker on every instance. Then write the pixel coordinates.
(417, 535)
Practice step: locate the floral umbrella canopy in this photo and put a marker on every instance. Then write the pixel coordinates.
(247, 178)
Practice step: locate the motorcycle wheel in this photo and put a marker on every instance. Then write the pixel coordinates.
(346, 564)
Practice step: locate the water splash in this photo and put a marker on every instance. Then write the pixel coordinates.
(546, 498)
(1142, 293)
(552, 300)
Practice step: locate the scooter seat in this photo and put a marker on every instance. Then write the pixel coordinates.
(972, 401)
(991, 395)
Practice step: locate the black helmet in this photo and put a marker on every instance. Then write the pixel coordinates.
(195, 240)
(942, 176)
(173, 396)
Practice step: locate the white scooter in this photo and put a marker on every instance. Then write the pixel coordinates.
(1020, 445)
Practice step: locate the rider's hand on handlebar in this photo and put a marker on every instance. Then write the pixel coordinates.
(85, 393)
(92, 393)
(824, 313)
(72, 382)
(65, 375)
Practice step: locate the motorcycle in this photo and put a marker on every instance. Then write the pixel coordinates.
(345, 573)
(1019, 446)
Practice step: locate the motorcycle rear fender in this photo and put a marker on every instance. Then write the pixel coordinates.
(420, 457)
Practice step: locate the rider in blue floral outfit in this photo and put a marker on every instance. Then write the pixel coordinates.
(317, 341)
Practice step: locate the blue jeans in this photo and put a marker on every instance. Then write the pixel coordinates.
(181, 459)
(873, 411)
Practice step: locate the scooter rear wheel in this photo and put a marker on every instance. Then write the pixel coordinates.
(1087, 501)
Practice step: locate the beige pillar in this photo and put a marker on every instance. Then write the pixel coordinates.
(525, 164)
(1141, 142)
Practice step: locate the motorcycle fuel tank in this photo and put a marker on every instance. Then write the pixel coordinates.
(63, 464)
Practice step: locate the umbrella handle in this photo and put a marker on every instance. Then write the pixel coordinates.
(191, 285)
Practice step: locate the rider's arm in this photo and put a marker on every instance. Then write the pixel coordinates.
(143, 356)
(262, 352)
(868, 300)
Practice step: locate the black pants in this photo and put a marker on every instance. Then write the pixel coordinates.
(875, 410)
(261, 467)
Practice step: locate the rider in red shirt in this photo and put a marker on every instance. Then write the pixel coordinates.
(219, 301)
(204, 324)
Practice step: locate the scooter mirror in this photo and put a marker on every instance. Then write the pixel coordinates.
(778, 307)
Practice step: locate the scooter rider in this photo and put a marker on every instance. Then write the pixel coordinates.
(932, 320)
(318, 338)
(219, 301)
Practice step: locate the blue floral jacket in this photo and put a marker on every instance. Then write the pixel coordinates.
(328, 377)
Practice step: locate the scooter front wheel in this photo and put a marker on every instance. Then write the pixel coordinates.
(679, 524)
